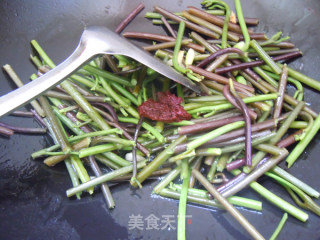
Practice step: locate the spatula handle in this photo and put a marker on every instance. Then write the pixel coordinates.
(30, 91)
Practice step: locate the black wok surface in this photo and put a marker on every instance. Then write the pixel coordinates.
(33, 204)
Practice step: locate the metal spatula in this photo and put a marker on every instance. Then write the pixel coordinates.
(94, 41)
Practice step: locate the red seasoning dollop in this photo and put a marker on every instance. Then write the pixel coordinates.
(166, 109)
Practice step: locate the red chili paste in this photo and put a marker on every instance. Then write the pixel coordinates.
(166, 109)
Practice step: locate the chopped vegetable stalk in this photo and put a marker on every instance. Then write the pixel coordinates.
(181, 226)
(229, 207)
(105, 110)
(279, 227)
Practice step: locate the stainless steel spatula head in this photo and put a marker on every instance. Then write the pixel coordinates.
(94, 41)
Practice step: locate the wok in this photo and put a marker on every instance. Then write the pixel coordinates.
(33, 204)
